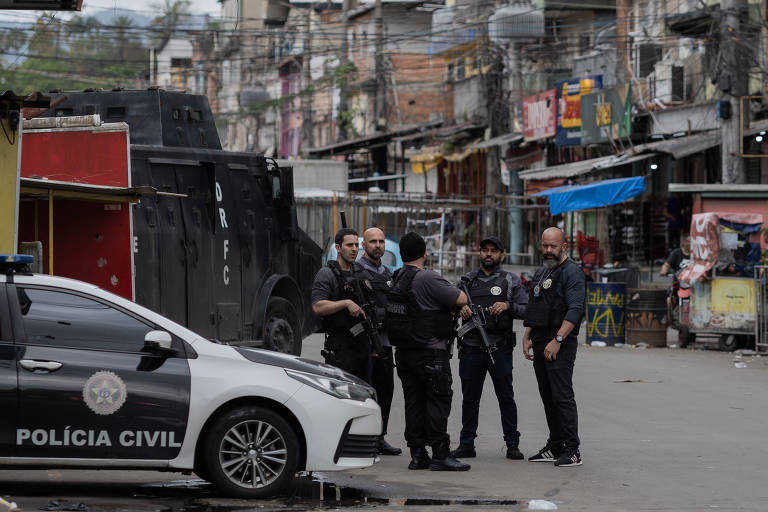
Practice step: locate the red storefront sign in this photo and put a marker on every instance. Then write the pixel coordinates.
(540, 115)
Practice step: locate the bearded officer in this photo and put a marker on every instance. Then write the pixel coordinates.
(552, 319)
(382, 367)
(348, 351)
(419, 324)
(504, 298)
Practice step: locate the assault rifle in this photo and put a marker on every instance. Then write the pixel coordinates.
(476, 321)
(361, 291)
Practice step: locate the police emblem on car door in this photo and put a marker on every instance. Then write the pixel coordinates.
(89, 386)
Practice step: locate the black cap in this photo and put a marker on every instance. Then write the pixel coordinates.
(412, 246)
(494, 240)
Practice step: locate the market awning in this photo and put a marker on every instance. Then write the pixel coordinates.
(569, 198)
(86, 192)
(425, 162)
(581, 167)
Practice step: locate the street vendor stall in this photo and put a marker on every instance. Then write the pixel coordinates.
(721, 308)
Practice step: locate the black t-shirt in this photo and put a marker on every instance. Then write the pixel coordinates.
(677, 260)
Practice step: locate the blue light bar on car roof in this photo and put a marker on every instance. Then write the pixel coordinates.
(19, 259)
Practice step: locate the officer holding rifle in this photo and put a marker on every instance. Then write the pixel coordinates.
(487, 338)
(350, 296)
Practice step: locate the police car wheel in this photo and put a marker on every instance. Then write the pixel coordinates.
(251, 452)
(282, 332)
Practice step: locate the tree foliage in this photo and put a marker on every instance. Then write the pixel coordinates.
(73, 54)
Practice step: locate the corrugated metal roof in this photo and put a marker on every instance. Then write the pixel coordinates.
(582, 167)
(508, 138)
(680, 147)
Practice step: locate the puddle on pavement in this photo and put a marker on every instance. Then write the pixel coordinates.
(309, 493)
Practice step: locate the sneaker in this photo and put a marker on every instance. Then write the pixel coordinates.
(571, 457)
(546, 454)
(464, 451)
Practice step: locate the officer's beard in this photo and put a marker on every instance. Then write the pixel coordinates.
(489, 265)
(551, 260)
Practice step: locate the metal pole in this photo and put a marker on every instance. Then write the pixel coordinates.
(733, 82)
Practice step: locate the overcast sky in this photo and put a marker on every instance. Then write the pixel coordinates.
(212, 7)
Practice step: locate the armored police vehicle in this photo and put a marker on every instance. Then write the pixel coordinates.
(218, 248)
(89, 379)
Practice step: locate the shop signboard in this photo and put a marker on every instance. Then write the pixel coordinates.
(540, 115)
(569, 93)
(606, 115)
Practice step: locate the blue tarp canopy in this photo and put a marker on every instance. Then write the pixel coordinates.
(569, 198)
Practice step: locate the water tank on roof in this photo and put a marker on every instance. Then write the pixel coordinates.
(447, 34)
(516, 22)
(442, 25)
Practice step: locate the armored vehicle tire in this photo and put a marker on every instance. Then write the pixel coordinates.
(251, 452)
(684, 337)
(282, 331)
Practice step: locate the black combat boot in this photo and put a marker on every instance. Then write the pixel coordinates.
(419, 458)
(513, 452)
(442, 460)
(387, 449)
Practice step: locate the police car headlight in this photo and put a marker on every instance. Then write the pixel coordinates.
(334, 387)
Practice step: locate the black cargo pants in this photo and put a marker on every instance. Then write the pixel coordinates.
(426, 377)
(555, 379)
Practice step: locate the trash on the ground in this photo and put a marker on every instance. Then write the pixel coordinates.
(541, 505)
(641, 345)
(598, 344)
(620, 345)
(7, 505)
(745, 352)
(674, 345)
(61, 505)
(643, 381)
(740, 365)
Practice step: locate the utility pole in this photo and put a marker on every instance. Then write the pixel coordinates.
(622, 41)
(733, 81)
(307, 124)
(343, 105)
(380, 114)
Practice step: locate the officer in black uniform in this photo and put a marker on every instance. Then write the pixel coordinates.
(502, 295)
(552, 319)
(346, 345)
(419, 325)
(382, 365)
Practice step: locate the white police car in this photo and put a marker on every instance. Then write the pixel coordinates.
(91, 380)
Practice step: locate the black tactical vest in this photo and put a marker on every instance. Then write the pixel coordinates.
(485, 294)
(546, 307)
(407, 324)
(381, 283)
(340, 323)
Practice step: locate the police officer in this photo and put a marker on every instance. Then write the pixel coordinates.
(343, 348)
(502, 295)
(552, 319)
(420, 327)
(382, 367)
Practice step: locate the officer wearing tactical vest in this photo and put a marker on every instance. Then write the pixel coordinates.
(346, 345)
(552, 319)
(382, 367)
(419, 325)
(502, 296)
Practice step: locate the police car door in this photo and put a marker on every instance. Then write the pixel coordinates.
(87, 387)
(7, 378)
